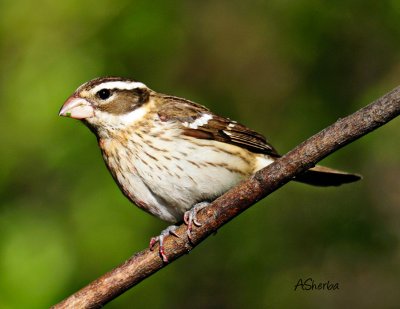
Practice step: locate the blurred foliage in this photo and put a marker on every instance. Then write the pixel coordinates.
(284, 68)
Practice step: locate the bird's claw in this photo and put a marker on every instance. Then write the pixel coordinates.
(190, 217)
(160, 240)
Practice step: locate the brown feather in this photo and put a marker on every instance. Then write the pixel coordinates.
(325, 176)
(218, 128)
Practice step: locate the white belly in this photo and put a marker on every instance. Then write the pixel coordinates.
(167, 176)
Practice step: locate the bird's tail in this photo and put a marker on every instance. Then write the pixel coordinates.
(325, 176)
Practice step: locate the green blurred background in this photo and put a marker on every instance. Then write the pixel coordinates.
(285, 68)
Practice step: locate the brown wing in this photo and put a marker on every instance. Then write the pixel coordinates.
(197, 121)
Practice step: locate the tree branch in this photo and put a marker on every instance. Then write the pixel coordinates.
(238, 199)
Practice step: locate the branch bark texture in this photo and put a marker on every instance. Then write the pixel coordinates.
(225, 208)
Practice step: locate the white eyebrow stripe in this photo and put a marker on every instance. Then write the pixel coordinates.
(119, 85)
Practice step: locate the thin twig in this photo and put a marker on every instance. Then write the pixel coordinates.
(238, 199)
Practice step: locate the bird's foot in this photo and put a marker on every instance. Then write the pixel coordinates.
(190, 217)
(160, 240)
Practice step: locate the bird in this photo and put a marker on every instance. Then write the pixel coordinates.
(170, 156)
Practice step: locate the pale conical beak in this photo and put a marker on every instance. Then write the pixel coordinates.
(77, 108)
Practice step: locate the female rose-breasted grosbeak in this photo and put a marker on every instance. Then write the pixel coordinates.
(171, 156)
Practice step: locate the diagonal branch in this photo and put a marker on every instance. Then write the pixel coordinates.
(225, 208)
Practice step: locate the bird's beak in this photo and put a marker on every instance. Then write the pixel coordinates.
(77, 108)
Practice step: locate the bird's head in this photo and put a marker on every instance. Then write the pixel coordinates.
(108, 102)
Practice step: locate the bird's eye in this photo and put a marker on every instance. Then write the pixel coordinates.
(104, 94)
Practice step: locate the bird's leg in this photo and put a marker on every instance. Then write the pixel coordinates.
(190, 217)
(160, 240)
